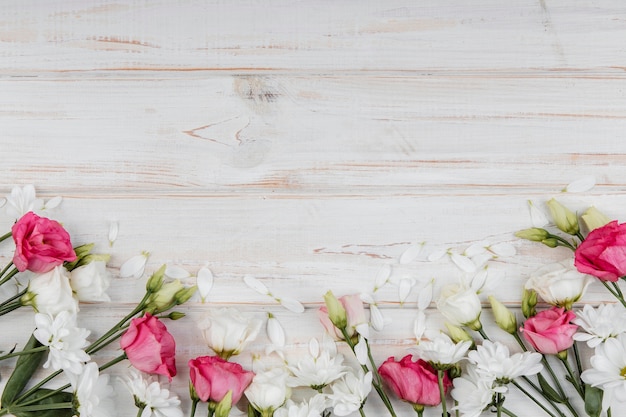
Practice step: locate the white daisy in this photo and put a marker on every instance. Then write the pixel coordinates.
(314, 407)
(608, 369)
(317, 370)
(441, 352)
(350, 392)
(473, 392)
(92, 392)
(599, 324)
(153, 400)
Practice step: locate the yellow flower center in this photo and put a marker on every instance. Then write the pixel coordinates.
(622, 373)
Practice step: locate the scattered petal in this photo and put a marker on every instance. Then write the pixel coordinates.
(479, 280)
(204, 282)
(360, 351)
(581, 185)
(475, 249)
(404, 289)
(438, 254)
(256, 285)
(135, 266)
(376, 318)
(503, 249)
(314, 348)
(463, 262)
(363, 329)
(411, 253)
(537, 217)
(425, 296)
(176, 272)
(480, 260)
(53, 203)
(114, 228)
(419, 326)
(367, 298)
(275, 332)
(382, 277)
(291, 304)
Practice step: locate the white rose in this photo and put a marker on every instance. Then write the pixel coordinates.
(90, 282)
(559, 284)
(268, 390)
(227, 330)
(50, 293)
(460, 305)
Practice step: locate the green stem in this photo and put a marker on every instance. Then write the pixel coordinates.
(579, 366)
(419, 409)
(562, 241)
(10, 307)
(508, 412)
(573, 378)
(6, 268)
(617, 289)
(194, 404)
(616, 295)
(580, 236)
(546, 365)
(533, 399)
(520, 342)
(5, 236)
(442, 392)
(483, 334)
(140, 411)
(10, 275)
(499, 402)
(362, 413)
(23, 352)
(41, 407)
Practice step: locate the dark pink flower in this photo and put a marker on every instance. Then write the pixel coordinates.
(603, 253)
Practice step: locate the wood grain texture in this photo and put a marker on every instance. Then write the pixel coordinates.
(310, 144)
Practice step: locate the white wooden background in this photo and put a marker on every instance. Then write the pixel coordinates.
(309, 144)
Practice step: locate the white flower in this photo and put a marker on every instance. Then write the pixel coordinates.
(51, 293)
(135, 266)
(156, 401)
(65, 340)
(608, 370)
(276, 335)
(492, 359)
(460, 305)
(314, 407)
(599, 324)
(93, 394)
(268, 390)
(473, 392)
(350, 392)
(559, 283)
(227, 330)
(90, 282)
(317, 370)
(21, 201)
(441, 351)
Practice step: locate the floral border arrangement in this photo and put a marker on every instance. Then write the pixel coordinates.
(462, 371)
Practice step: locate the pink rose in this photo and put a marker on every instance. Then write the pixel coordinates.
(603, 253)
(550, 331)
(355, 314)
(414, 382)
(149, 346)
(40, 244)
(212, 377)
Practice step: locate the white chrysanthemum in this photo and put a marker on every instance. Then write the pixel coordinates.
(493, 360)
(314, 407)
(93, 394)
(268, 390)
(350, 392)
(156, 401)
(608, 369)
(317, 370)
(65, 340)
(600, 324)
(473, 392)
(441, 352)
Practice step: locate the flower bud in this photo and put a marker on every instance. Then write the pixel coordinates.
(336, 311)
(529, 301)
(183, 295)
(164, 298)
(455, 371)
(155, 282)
(534, 234)
(505, 319)
(176, 315)
(457, 334)
(593, 219)
(550, 242)
(224, 406)
(563, 217)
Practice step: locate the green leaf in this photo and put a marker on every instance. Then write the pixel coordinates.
(59, 397)
(548, 391)
(25, 367)
(593, 401)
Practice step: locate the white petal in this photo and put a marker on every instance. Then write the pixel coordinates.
(479, 280)
(419, 326)
(404, 289)
(537, 217)
(503, 249)
(363, 329)
(382, 277)
(480, 260)
(376, 318)
(475, 249)
(581, 185)
(360, 351)
(53, 202)
(463, 262)
(436, 255)
(176, 272)
(204, 281)
(425, 296)
(114, 228)
(134, 267)
(256, 285)
(292, 304)
(275, 332)
(314, 348)
(3, 201)
(367, 298)
(411, 253)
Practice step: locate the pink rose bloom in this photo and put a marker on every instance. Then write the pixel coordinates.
(603, 253)
(40, 244)
(149, 346)
(355, 314)
(212, 377)
(550, 331)
(413, 382)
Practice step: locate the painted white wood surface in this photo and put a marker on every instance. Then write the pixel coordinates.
(309, 144)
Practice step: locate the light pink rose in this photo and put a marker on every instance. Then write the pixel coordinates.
(149, 346)
(355, 314)
(212, 377)
(40, 244)
(603, 253)
(413, 382)
(550, 331)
